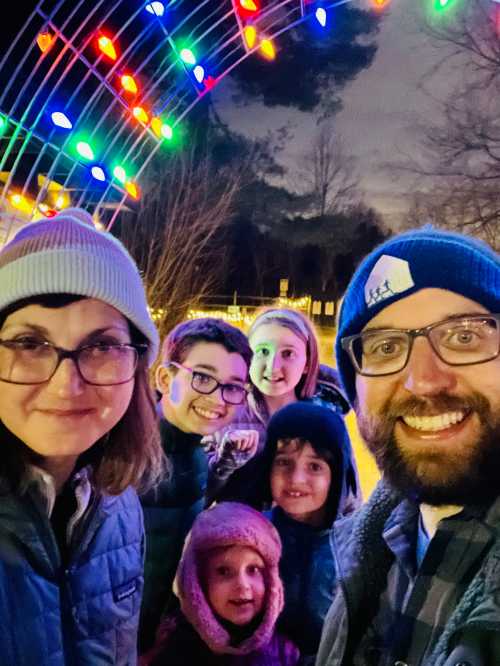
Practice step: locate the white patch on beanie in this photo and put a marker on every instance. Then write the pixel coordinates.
(389, 276)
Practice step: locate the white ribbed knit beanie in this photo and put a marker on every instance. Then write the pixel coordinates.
(67, 254)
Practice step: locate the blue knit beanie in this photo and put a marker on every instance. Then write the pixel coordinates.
(415, 260)
(67, 254)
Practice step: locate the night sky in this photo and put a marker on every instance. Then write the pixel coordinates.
(381, 108)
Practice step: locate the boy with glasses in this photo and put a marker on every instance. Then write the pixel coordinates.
(203, 381)
(418, 353)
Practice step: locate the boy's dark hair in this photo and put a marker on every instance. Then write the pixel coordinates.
(189, 333)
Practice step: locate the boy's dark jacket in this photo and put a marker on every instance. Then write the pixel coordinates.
(169, 512)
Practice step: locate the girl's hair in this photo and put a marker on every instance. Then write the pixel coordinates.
(129, 455)
(303, 329)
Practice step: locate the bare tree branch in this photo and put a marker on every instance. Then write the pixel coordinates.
(459, 165)
(173, 239)
(326, 173)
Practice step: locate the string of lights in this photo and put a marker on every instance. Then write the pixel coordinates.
(95, 88)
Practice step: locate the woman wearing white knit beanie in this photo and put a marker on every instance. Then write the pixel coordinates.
(78, 437)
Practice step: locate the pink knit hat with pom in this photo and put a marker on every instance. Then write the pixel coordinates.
(229, 524)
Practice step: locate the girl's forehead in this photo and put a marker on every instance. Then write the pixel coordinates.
(231, 554)
(274, 333)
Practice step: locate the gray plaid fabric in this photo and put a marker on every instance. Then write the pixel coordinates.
(416, 605)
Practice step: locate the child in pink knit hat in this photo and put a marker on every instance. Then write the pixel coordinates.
(230, 595)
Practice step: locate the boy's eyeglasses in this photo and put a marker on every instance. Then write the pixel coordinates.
(232, 394)
(34, 362)
(456, 341)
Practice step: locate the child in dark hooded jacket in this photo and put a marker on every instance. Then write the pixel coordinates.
(230, 595)
(307, 467)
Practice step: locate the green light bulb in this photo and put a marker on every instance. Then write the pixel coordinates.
(84, 150)
(188, 56)
(120, 174)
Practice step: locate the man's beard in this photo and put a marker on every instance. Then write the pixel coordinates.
(433, 475)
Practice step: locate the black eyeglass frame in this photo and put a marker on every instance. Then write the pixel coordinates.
(347, 343)
(218, 384)
(73, 354)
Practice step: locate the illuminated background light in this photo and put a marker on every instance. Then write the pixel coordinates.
(45, 39)
(250, 35)
(209, 82)
(156, 126)
(188, 56)
(443, 4)
(3, 124)
(199, 73)
(132, 189)
(248, 5)
(155, 8)
(140, 114)
(98, 173)
(321, 16)
(267, 49)
(120, 174)
(166, 131)
(61, 120)
(106, 46)
(60, 201)
(18, 201)
(84, 150)
(247, 8)
(129, 84)
(45, 210)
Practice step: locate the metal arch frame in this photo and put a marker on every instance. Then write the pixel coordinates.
(278, 18)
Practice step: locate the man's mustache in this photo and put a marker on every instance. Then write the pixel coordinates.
(432, 406)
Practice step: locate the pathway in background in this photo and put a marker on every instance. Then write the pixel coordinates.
(368, 472)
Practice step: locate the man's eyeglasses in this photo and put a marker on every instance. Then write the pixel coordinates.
(233, 394)
(456, 341)
(29, 361)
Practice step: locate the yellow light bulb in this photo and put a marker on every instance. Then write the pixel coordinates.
(250, 35)
(267, 49)
(140, 114)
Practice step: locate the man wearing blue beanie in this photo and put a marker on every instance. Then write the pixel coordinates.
(418, 353)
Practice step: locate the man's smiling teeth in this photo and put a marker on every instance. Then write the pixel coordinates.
(207, 414)
(434, 423)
